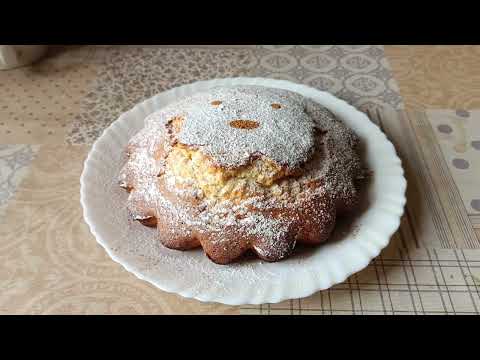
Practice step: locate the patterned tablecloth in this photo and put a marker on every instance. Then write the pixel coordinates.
(424, 98)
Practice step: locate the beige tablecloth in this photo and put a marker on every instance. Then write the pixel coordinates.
(424, 97)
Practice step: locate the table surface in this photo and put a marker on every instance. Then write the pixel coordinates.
(424, 98)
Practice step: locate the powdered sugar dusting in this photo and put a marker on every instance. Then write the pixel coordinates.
(284, 134)
(305, 134)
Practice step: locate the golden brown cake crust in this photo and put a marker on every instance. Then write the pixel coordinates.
(238, 169)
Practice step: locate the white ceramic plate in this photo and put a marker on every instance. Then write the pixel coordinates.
(191, 274)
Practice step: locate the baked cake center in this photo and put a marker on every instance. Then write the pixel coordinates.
(232, 143)
(276, 126)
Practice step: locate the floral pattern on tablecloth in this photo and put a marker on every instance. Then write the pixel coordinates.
(14, 163)
(359, 74)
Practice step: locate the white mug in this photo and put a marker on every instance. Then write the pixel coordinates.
(12, 56)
